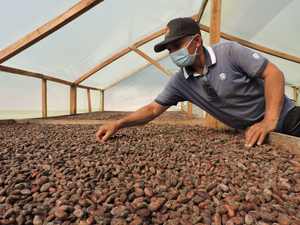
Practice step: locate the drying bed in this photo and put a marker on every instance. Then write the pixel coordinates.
(115, 115)
(152, 174)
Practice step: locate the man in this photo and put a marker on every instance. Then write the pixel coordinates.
(237, 86)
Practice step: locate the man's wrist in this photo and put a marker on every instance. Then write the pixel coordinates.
(271, 121)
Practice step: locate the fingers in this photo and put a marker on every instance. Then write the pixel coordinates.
(105, 137)
(105, 132)
(262, 138)
(102, 135)
(255, 135)
(251, 137)
(99, 135)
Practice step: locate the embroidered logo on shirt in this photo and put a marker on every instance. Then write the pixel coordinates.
(222, 76)
(256, 56)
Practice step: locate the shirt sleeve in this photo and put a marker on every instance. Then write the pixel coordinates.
(250, 62)
(170, 96)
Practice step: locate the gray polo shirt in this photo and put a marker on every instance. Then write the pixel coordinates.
(233, 71)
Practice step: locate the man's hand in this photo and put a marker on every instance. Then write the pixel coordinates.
(106, 131)
(140, 117)
(258, 132)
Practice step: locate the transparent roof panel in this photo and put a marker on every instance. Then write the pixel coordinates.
(261, 22)
(20, 17)
(266, 25)
(139, 89)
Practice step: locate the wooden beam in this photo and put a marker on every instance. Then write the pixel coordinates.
(32, 74)
(47, 29)
(73, 99)
(201, 11)
(89, 100)
(215, 29)
(102, 65)
(87, 87)
(120, 54)
(44, 97)
(134, 72)
(152, 61)
(255, 46)
(262, 49)
(41, 76)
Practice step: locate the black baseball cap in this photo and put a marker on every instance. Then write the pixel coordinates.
(178, 28)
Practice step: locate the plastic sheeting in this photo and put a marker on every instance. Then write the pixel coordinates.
(103, 31)
(139, 89)
(271, 24)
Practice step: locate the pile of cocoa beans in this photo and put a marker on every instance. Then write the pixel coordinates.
(152, 174)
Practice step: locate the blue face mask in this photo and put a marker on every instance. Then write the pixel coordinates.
(182, 57)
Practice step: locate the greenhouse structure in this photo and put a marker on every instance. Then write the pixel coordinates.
(71, 70)
(60, 58)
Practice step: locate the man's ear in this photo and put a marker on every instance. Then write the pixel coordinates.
(198, 38)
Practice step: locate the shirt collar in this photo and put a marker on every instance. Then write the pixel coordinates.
(210, 59)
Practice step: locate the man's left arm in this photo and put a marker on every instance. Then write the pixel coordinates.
(274, 97)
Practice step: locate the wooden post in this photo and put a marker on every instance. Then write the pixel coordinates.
(102, 100)
(89, 100)
(215, 30)
(73, 99)
(215, 22)
(190, 109)
(44, 97)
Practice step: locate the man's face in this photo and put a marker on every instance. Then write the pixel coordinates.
(183, 42)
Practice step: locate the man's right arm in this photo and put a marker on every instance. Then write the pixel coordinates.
(140, 117)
